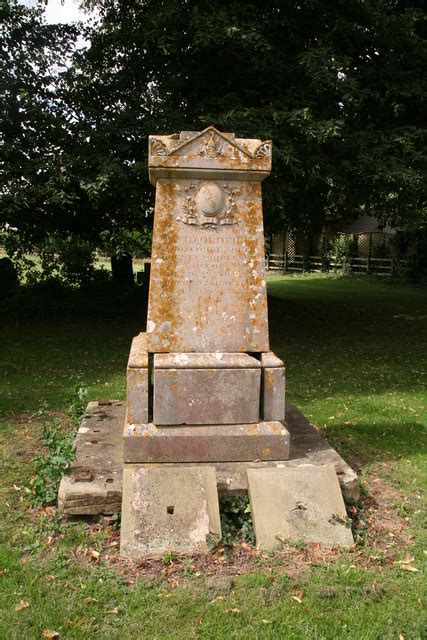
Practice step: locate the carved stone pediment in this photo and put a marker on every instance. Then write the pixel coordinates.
(208, 151)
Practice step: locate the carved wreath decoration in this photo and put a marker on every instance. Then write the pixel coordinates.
(209, 204)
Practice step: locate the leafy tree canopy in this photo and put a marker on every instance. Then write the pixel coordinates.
(336, 85)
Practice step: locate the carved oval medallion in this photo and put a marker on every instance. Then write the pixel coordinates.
(210, 199)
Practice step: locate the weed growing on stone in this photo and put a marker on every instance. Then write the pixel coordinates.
(236, 520)
(51, 465)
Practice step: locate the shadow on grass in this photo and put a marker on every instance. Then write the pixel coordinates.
(394, 441)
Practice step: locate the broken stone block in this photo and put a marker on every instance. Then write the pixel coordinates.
(137, 381)
(206, 388)
(298, 504)
(168, 509)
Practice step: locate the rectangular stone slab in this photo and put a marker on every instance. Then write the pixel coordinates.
(207, 283)
(206, 396)
(207, 443)
(303, 503)
(168, 510)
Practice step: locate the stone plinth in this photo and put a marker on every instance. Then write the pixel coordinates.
(93, 482)
(273, 387)
(206, 389)
(206, 443)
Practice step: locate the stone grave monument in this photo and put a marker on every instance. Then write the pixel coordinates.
(202, 384)
(205, 405)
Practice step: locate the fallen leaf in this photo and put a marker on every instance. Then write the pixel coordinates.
(298, 596)
(410, 568)
(173, 583)
(266, 621)
(50, 635)
(22, 605)
(94, 554)
(234, 610)
(408, 561)
(113, 611)
(217, 599)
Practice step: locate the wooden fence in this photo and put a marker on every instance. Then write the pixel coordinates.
(284, 263)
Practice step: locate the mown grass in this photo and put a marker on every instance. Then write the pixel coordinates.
(354, 350)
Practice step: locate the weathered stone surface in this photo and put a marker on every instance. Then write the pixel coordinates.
(168, 509)
(137, 384)
(138, 381)
(206, 396)
(270, 360)
(205, 361)
(206, 443)
(138, 356)
(93, 483)
(208, 154)
(273, 393)
(207, 286)
(303, 503)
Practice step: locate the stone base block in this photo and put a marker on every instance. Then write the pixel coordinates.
(207, 443)
(168, 509)
(93, 482)
(206, 388)
(303, 503)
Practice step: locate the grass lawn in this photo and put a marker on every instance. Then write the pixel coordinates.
(354, 351)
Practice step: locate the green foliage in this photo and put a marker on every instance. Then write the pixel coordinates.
(59, 442)
(410, 246)
(77, 403)
(343, 248)
(337, 86)
(69, 259)
(236, 520)
(51, 466)
(120, 241)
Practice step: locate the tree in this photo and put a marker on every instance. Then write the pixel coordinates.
(337, 86)
(35, 195)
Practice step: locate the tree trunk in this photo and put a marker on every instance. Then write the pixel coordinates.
(121, 269)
